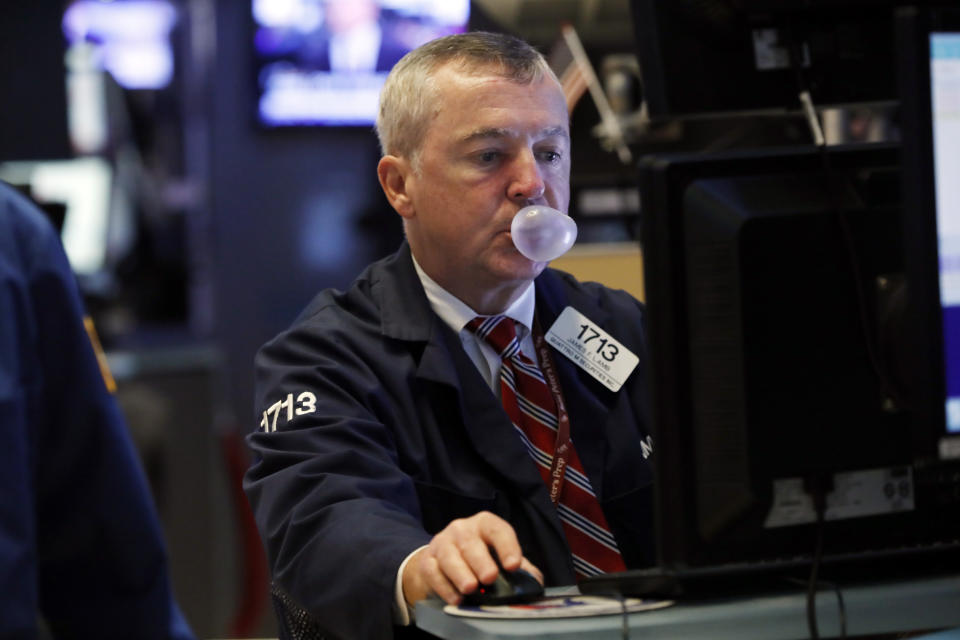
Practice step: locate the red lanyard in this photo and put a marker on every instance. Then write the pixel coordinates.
(562, 451)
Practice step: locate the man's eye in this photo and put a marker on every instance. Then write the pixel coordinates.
(550, 157)
(489, 156)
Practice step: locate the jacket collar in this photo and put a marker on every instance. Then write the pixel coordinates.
(406, 315)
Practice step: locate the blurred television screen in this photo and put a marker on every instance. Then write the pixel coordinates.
(132, 38)
(322, 62)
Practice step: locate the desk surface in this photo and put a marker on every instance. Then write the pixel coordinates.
(908, 605)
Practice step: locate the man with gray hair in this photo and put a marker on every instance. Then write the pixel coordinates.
(417, 429)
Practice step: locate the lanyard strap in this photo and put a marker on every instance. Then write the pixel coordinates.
(561, 453)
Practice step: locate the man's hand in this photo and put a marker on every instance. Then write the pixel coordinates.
(458, 559)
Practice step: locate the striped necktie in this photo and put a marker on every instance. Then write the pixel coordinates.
(532, 409)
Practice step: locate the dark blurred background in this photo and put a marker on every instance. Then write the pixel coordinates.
(198, 230)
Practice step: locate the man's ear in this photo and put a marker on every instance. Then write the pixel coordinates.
(396, 177)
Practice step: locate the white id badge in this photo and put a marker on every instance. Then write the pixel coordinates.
(592, 349)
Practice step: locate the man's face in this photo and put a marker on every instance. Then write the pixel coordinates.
(493, 147)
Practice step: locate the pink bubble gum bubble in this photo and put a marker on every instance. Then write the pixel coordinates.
(542, 233)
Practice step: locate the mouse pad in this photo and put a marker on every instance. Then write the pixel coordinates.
(559, 607)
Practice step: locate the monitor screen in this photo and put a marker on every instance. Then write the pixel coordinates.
(322, 62)
(945, 120)
(80, 190)
(132, 39)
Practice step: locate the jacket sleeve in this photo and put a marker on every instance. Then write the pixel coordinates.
(336, 513)
(99, 558)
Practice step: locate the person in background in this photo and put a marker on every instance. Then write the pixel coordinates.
(355, 38)
(411, 431)
(81, 549)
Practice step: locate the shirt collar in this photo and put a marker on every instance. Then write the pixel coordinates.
(456, 314)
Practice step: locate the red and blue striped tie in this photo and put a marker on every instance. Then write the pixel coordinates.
(533, 411)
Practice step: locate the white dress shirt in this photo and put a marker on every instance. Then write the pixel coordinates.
(456, 314)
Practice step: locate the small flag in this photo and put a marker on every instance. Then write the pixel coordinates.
(572, 66)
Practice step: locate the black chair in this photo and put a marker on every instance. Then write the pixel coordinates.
(293, 621)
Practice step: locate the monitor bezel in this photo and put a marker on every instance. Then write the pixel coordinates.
(663, 181)
(914, 26)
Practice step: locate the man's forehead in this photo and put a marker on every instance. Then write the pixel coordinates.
(454, 76)
(495, 133)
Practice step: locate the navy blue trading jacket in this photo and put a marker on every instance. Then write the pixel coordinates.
(376, 430)
(80, 543)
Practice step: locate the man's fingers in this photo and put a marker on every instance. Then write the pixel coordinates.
(461, 556)
(477, 554)
(500, 536)
(532, 569)
(437, 580)
(455, 567)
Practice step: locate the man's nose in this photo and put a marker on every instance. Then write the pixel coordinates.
(527, 185)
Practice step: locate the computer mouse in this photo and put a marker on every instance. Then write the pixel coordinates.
(510, 587)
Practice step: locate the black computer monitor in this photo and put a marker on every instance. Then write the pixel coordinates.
(701, 57)
(928, 41)
(783, 437)
(788, 431)
(767, 280)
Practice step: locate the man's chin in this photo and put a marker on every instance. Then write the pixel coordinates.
(519, 269)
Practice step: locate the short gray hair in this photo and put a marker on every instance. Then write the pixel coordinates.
(408, 94)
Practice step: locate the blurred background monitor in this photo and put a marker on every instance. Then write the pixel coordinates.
(76, 195)
(701, 57)
(322, 62)
(90, 86)
(132, 38)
